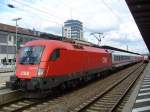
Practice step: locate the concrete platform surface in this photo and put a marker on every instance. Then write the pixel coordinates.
(139, 100)
(5, 77)
(7, 95)
(7, 68)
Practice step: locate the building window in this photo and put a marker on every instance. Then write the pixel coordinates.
(74, 26)
(3, 38)
(11, 50)
(7, 49)
(9, 38)
(3, 49)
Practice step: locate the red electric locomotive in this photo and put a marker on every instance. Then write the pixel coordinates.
(44, 64)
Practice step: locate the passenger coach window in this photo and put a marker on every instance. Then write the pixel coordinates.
(55, 55)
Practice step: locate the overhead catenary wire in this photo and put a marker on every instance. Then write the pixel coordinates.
(41, 10)
(47, 18)
(112, 11)
(85, 28)
(49, 8)
(47, 14)
(38, 10)
(31, 16)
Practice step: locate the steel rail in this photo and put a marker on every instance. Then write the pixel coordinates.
(84, 106)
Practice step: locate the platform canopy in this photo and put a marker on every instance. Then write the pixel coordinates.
(140, 10)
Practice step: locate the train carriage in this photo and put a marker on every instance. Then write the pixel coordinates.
(120, 58)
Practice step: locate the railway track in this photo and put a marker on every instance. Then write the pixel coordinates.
(69, 101)
(7, 96)
(18, 106)
(2, 86)
(7, 71)
(109, 100)
(23, 104)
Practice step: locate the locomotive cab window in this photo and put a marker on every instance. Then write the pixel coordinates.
(55, 55)
(31, 55)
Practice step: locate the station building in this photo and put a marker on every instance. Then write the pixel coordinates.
(8, 41)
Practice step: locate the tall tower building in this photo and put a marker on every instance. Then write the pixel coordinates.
(73, 29)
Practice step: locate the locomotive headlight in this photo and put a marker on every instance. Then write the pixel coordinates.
(40, 71)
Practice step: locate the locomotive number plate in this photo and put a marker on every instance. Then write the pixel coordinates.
(104, 60)
(25, 73)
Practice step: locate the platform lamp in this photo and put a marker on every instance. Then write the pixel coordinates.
(16, 20)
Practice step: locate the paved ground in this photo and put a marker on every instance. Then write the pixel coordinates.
(142, 102)
(5, 76)
(5, 68)
(139, 100)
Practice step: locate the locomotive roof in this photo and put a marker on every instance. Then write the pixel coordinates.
(66, 45)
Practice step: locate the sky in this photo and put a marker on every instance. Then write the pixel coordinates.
(110, 17)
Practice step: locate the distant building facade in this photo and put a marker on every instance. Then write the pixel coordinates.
(73, 29)
(8, 41)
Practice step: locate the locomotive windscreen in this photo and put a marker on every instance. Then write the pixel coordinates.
(31, 55)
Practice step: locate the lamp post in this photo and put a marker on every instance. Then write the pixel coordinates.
(16, 20)
(125, 35)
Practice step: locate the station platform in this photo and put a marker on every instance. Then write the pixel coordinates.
(139, 100)
(4, 70)
(7, 68)
(5, 76)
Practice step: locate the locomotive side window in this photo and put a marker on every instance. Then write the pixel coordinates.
(55, 55)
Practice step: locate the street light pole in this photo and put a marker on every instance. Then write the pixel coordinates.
(126, 44)
(16, 20)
